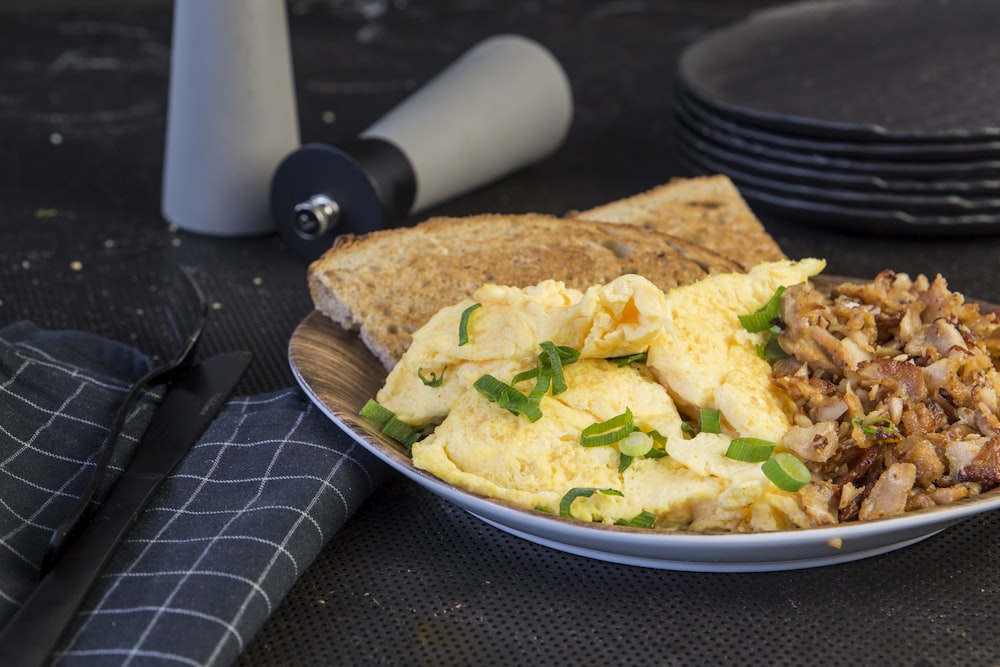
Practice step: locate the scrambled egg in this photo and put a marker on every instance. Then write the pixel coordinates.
(699, 356)
(708, 360)
(617, 319)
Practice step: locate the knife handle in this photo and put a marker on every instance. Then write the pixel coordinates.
(31, 635)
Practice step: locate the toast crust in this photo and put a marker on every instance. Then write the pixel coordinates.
(707, 210)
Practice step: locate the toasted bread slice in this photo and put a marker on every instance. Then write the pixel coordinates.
(388, 283)
(707, 210)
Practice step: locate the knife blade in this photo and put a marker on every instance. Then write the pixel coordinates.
(187, 408)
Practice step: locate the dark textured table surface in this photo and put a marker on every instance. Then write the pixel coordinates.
(412, 580)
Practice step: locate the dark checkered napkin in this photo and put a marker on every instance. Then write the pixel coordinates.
(244, 514)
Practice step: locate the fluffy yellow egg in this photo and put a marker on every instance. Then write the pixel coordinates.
(619, 318)
(708, 360)
(487, 449)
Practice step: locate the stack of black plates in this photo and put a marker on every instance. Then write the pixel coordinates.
(874, 115)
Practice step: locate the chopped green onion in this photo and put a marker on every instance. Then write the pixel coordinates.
(657, 443)
(604, 439)
(638, 357)
(750, 450)
(642, 520)
(376, 412)
(542, 384)
(525, 375)
(548, 371)
(400, 431)
(581, 492)
(507, 397)
(543, 381)
(786, 472)
(771, 350)
(655, 440)
(635, 443)
(555, 358)
(463, 325)
(554, 363)
(708, 421)
(876, 425)
(659, 439)
(602, 433)
(762, 318)
(756, 321)
(389, 424)
(567, 354)
(434, 380)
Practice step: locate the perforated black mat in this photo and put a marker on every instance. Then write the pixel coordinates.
(456, 591)
(412, 580)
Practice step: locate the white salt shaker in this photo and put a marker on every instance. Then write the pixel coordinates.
(231, 116)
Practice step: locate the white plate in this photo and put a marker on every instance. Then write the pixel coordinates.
(339, 375)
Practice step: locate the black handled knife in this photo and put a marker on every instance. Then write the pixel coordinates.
(186, 410)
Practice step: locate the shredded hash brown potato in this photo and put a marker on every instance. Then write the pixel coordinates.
(897, 390)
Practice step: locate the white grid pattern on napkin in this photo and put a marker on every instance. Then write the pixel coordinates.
(236, 523)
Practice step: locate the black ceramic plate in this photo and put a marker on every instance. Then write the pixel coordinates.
(783, 201)
(851, 180)
(956, 170)
(857, 70)
(830, 177)
(873, 221)
(833, 148)
(911, 204)
(853, 219)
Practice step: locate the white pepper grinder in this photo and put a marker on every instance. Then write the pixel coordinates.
(502, 105)
(231, 114)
